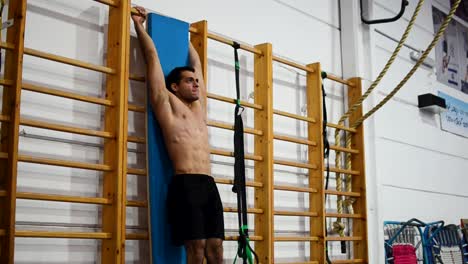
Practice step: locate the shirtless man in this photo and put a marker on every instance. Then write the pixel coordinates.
(194, 205)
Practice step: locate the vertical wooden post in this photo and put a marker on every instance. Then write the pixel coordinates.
(263, 94)
(358, 182)
(200, 43)
(115, 149)
(10, 130)
(316, 179)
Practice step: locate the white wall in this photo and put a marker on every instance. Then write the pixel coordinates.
(425, 165)
(420, 170)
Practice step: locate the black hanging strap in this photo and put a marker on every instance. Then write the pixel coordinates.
(244, 249)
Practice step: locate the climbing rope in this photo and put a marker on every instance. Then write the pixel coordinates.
(415, 67)
(338, 226)
(358, 122)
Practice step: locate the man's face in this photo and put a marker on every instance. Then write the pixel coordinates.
(187, 89)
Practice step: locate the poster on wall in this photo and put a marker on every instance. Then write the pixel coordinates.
(463, 57)
(455, 119)
(447, 51)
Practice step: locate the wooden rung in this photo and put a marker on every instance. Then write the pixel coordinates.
(292, 213)
(295, 189)
(292, 64)
(295, 164)
(299, 117)
(3, 155)
(4, 118)
(341, 149)
(249, 210)
(68, 129)
(107, 2)
(247, 183)
(343, 215)
(136, 108)
(338, 79)
(137, 236)
(3, 193)
(7, 46)
(233, 101)
(231, 127)
(141, 172)
(49, 234)
(74, 96)
(351, 172)
(295, 239)
(134, 139)
(62, 198)
(64, 163)
(231, 154)
(343, 238)
(352, 130)
(252, 238)
(137, 78)
(2, 232)
(296, 140)
(346, 261)
(227, 41)
(137, 203)
(73, 62)
(6, 82)
(350, 194)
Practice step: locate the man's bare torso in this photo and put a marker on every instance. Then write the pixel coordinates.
(186, 136)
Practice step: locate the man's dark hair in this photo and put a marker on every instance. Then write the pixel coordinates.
(175, 76)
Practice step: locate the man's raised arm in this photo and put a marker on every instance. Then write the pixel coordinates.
(158, 93)
(196, 64)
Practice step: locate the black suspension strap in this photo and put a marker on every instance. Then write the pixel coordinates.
(326, 154)
(244, 250)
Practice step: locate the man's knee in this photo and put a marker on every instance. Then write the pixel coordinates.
(214, 251)
(195, 250)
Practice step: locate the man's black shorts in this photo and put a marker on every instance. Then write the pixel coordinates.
(195, 209)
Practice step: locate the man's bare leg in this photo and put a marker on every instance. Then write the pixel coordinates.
(214, 251)
(195, 251)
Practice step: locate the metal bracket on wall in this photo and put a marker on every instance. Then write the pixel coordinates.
(404, 3)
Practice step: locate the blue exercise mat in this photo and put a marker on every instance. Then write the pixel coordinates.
(171, 39)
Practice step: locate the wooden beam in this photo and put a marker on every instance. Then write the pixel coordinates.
(295, 189)
(296, 164)
(11, 102)
(263, 96)
(247, 183)
(294, 213)
(292, 64)
(294, 116)
(352, 172)
(7, 46)
(297, 239)
(69, 95)
(6, 82)
(231, 154)
(316, 156)
(352, 130)
(340, 80)
(65, 60)
(348, 261)
(136, 108)
(252, 238)
(64, 163)
(296, 140)
(137, 236)
(133, 171)
(249, 210)
(231, 127)
(233, 101)
(342, 149)
(350, 194)
(337, 238)
(200, 44)
(62, 198)
(68, 129)
(358, 183)
(3, 155)
(336, 215)
(49, 234)
(116, 122)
